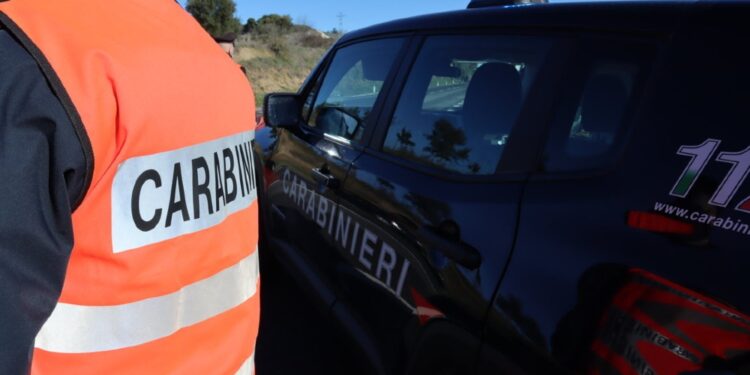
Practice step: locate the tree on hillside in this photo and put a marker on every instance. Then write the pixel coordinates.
(216, 16)
(276, 21)
(250, 25)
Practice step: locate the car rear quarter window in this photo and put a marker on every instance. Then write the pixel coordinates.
(590, 123)
(461, 101)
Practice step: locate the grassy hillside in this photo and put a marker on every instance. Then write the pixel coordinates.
(279, 60)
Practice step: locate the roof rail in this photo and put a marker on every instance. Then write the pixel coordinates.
(492, 3)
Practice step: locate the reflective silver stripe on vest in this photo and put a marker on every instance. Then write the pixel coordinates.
(87, 329)
(247, 368)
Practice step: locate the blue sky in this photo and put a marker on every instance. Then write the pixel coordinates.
(322, 14)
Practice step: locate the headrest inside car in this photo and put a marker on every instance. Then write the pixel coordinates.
(493, 98)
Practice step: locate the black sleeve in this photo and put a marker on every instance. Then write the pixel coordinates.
(42, 169)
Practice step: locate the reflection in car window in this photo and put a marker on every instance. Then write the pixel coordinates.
(461, 101)
(589, 138)
(351, 86)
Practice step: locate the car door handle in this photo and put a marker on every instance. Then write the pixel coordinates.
(324, 177)
(457, 251)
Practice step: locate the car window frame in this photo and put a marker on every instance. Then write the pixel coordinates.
(322, 71)
(526, 129)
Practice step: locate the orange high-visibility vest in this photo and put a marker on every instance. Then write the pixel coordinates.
(163, 277)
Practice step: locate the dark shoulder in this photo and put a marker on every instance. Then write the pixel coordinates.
(12, 52)
(27, 99)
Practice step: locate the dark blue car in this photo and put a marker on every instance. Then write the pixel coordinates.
(536, 189)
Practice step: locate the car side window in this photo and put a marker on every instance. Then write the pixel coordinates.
(589, 128)
(461, 101)
(600, 110)
(343, 98)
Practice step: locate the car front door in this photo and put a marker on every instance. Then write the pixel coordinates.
(309, 162)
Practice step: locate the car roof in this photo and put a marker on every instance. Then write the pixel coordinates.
(618, 16)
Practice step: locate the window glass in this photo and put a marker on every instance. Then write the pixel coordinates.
(589, 126)
(344, 99)
(461, 101)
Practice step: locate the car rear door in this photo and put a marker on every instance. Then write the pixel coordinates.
(427, 215)
(632, 255)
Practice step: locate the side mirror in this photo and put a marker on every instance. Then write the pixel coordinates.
(282, 110)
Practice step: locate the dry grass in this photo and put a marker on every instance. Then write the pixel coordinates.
(279, 63)
(250, 53)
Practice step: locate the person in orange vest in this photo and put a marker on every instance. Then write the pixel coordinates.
(129, 221)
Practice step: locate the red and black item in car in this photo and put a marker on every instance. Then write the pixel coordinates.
(654, 326)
